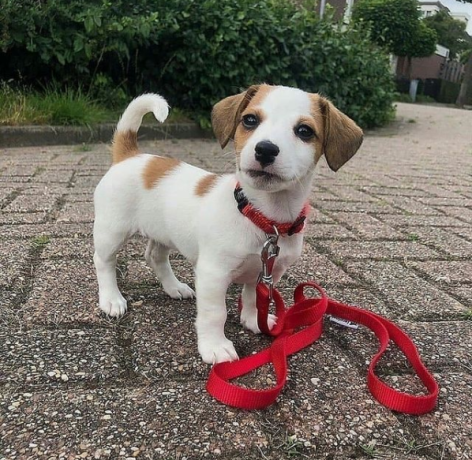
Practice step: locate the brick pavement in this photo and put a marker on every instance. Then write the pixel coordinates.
(391, 232)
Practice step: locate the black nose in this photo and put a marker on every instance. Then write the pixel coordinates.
(266, 152)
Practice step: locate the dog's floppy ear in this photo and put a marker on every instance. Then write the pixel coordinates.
(226, 113)
(341, 138)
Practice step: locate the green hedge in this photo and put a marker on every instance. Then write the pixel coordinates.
(193, 52)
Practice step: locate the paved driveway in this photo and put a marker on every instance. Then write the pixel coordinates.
(391, 232)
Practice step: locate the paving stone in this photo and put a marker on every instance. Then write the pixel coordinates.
(402, 287)
(78, 197)
(32, 203)
(355, 206)
(349, 193)
(6, 193)
(462, 213)
(391, 191)
(394, 191)
(12, 181)
(464, 293)
(22, 218)
(169, 419)
(445, 272)
(55, 176)
(399, 221)
(327, 403)
(444, 239)
(449, 428)
(76, 212)
(442, 202)
(23, 170)
(412, 205)
(45, 189)
(362, 298)
(69, 248)
(442, 345)
(64, 292)
(377, 250)
(86, 181)
(367, 226)
(61, 229)
(318, 217)
(13, 255)
(328, 231)
(464, 232)
(67, 159)
(58, 357)
(317, 267)
(139, 272)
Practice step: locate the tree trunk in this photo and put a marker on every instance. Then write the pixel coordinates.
(466, 81)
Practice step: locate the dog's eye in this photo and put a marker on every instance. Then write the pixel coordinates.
(250, 121)
(304, 132)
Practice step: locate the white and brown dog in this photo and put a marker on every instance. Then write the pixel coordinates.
(279, 135)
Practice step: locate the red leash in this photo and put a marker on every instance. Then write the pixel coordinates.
(300, 326)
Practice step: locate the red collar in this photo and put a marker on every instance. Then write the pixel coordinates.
(265, 224)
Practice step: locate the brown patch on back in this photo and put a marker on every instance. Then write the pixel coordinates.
(125, 145)
(205, 184)
(156, 169)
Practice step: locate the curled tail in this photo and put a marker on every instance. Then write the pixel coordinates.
(125, 140)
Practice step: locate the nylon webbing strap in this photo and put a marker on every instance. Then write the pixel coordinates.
(298, 327)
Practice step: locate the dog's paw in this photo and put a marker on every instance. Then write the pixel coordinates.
(179, 291)
(250, 322)
(213, 352)
(113, 305)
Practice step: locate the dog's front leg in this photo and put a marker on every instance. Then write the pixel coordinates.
(211, 284)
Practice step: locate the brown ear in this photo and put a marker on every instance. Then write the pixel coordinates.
(342, 137)
(226, 113)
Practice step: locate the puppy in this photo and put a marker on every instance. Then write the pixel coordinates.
(279, 135)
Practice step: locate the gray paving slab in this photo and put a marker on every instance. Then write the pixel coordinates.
(417, 297)
(58, 358)
(390, 232)
(63, 292)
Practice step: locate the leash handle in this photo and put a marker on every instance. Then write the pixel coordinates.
(307, 313)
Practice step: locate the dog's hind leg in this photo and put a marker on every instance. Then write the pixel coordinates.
(157, 256)
(107, 244)
(249, 311)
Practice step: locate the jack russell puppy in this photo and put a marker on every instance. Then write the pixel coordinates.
(279, 135)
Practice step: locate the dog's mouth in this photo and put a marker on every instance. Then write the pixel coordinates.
(263, 175)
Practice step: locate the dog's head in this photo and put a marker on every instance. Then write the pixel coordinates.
(280, 133)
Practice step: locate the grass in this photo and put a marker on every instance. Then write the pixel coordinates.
(420, 98)
(53, 106)
(40, 241)
(468, 314)
(60, 106)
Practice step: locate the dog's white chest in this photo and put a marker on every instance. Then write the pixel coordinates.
(248, 271)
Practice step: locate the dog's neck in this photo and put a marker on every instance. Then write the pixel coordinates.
(283, 206)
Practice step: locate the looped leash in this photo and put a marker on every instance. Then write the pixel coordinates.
(302, 324)
(307, 313)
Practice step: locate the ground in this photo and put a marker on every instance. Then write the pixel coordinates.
(390, 232)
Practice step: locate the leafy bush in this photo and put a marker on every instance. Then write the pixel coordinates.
(213, 48)
(396, 25)
(71, 40)
(194, 52)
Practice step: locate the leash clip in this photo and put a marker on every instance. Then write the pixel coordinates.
(270, 250)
